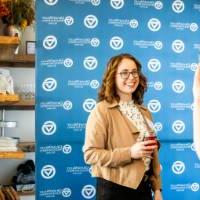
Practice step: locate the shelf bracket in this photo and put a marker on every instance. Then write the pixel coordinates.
(3, 119)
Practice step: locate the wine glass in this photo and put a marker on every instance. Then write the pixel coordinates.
(151, 136)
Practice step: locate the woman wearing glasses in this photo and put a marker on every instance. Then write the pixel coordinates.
(196, 111)
(126, 166)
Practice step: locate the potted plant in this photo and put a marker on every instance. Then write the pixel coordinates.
(17, 14)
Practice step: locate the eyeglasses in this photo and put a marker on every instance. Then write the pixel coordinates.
(126, 74)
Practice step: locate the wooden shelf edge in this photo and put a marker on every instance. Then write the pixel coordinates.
(25, 193)
(21, 103)
(20, 61)
(7, 40)
(28, 147)
(12, 155)
(24, 58)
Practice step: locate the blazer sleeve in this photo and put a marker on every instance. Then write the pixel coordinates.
(95, 146)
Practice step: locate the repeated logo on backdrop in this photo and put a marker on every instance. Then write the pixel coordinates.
(49, 128)
(75, 40)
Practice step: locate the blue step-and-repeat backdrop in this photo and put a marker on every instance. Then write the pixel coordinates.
(75, 39)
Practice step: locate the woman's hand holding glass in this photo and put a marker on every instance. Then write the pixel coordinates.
(143, 149)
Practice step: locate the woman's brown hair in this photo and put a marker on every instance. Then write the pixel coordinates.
(108, 88)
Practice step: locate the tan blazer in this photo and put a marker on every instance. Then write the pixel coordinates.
(108, 140)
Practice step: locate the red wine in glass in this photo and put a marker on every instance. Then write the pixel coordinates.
(151, 137)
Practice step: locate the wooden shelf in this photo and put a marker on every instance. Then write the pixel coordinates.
(26, 189)
(26, 193)
(27, 147)
(23, 60)
(19, 105)
(12, 155)
(7, 56)
(8, 40)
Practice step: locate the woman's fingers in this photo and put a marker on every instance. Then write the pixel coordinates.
(149, 142)
(150, 145)
(146, 154)
(143, 149)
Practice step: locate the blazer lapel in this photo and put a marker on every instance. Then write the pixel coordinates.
(131, 126)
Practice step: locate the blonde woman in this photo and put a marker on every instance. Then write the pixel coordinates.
(196, 111)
